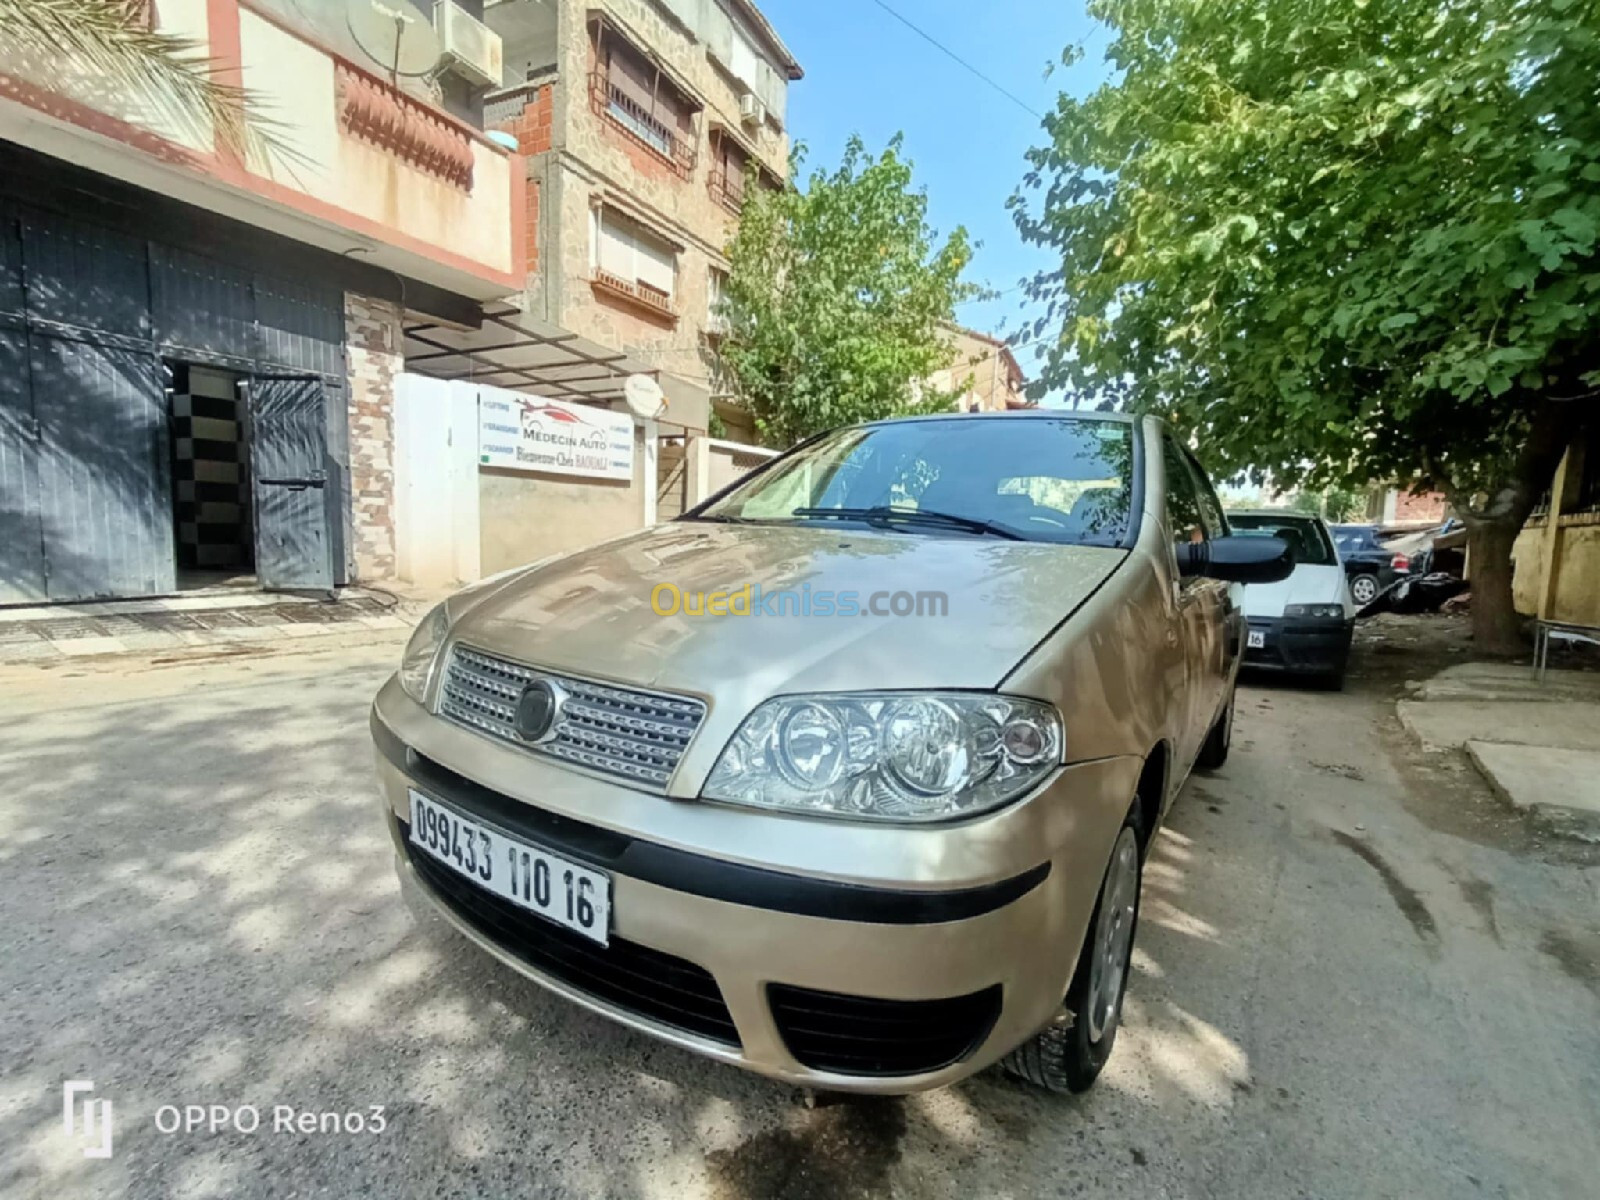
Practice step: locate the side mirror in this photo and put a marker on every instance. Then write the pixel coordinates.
(1237, 559)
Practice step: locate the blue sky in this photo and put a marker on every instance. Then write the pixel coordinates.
(867, 73)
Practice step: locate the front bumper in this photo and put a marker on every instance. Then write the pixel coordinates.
(900, 959)
(1302, 645)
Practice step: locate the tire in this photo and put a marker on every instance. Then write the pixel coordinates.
(1364, 590)
(1067, 1055)
(1214, 750)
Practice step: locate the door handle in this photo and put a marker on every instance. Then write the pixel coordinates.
(294, 485)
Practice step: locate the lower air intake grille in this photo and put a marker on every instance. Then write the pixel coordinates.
(860, 1035)
(634, 735)
(659, 987)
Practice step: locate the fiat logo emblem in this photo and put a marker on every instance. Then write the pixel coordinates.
(539, 710)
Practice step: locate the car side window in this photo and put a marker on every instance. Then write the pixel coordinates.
(1183, 500)
(1210, 507)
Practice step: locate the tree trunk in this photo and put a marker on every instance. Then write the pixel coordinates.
(1494, 522)
(1496, 629)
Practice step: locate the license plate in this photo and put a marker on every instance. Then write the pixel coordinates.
(574, 897)
(1257, 639)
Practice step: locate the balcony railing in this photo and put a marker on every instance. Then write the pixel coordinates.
(635, 290)
(727, 189)
(387, 117)
(626, 113)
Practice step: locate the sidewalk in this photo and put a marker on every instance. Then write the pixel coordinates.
(1536, 743)
(57, 634)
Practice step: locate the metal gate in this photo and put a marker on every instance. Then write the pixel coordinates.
(86, 314)
(289, 472)
(85, 470)
(105, 493)
(21, 538)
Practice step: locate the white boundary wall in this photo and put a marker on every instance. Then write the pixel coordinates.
(436, 481)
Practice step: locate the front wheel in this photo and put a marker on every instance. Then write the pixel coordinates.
(1364, 589)
(1068, 1054)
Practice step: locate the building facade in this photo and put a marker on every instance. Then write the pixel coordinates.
(1395, 506)
(983, 372)
(198, 353)
(642, 123)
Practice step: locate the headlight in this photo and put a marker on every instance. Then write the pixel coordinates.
(1314, 610)
(416, 664)
(886, 756)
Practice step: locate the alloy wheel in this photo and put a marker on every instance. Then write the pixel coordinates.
(1113, 936)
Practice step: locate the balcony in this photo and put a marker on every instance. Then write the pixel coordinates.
(652, 301)
(727, 189)
(375, 169)
(639, 124)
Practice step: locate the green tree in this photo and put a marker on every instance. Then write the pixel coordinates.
(167, 76)
(1339, 241)
(1334, 504)
(835, 297)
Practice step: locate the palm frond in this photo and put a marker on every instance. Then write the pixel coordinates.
(170, 76)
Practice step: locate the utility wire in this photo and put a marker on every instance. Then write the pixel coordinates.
(940, 46)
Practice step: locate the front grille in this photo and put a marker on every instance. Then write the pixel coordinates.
(860, 1035)
(634, 735)
(660, 987)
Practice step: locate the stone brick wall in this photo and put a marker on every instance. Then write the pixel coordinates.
(1423, 506)
(527, 113)
(532, 125)
(375, 350)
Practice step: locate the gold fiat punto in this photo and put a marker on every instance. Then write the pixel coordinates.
(847, 776)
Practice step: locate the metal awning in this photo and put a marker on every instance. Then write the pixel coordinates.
(514, 350)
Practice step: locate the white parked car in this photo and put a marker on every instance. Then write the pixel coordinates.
(1300, 625)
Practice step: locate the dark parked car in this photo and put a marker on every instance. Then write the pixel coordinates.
(1368, 566)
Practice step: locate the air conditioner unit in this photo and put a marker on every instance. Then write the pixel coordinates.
(470, 48)
(751, 110)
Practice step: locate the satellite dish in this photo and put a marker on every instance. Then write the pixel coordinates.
(394, 35)
(643, 396)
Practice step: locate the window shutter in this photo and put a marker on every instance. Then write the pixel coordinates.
(657, 264)
(745, 63)
(630, 74)
(717, 30)
(773, 89)
(616, 249)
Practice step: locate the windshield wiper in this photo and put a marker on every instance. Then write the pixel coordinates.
(884, 514)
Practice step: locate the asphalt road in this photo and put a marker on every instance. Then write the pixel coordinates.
(1354, 977)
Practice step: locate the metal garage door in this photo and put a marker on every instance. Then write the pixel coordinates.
(21, 551)
(105, 499)
(21, 540)
(99, 460)
(86, 313)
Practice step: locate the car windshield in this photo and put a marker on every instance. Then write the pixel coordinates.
(1028, 478)
(1305, 536)
(1352, 537)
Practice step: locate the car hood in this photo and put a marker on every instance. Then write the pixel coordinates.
(591, 613)
(1307, 584)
